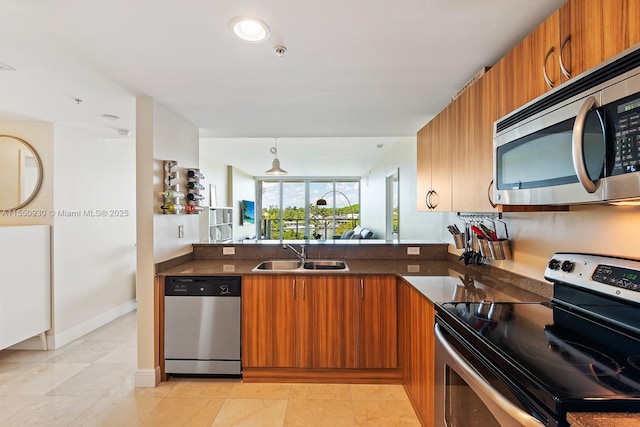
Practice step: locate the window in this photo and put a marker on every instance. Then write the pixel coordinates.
(290, 211)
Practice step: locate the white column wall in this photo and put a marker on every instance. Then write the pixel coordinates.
(160, 135)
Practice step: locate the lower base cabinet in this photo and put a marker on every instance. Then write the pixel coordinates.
(297, 325)
(416, 349)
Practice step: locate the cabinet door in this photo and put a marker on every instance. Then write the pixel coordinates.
(423, 167)
(377, 322)
(598, 30)
(417, 354)
(444, 128)
(327, 322)
(472, 156)
(269, 321)
(522, 77)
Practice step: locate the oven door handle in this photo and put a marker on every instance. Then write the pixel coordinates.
(488, 392)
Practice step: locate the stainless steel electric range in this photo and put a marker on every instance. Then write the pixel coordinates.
(513, 364)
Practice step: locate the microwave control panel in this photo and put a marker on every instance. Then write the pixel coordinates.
(627, 148)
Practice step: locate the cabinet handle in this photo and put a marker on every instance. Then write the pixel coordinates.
(304, 293)
(564, 70)
(544, 68)
(293, 286)
(361, 288)
(434, 205)
(493, 205)
(427, 200)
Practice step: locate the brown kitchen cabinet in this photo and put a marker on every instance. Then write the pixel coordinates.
(327, 321)
(416, 318)
(597, 30)
(472, 156)
(531, 68)
(434, 163)
(269, 321)
(377, 322)
(575, 38)
(423, 166)
(319, 322)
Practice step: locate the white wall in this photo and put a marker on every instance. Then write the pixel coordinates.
(160, 135)
(414, 225)
(215, 172)
(94, 232)
(174, 138)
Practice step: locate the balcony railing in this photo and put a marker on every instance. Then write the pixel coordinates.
(294, 229)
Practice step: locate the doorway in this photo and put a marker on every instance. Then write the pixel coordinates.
(393, 205)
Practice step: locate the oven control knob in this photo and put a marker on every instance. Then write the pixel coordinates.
(567, 266)
(554, 264)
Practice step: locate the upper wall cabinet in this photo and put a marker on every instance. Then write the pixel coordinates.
(595, 30)
(472, 153)
(434, 163)
(577, 37)
(531, 68)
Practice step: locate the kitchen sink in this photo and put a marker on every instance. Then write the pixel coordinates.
(294, 264)
(325, 264)
(279, 265)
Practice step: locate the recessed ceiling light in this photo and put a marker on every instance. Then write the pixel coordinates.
(250, 29)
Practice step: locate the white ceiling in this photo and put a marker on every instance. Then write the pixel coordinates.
(356, 68)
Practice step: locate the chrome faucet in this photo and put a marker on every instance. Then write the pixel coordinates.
(302, 254)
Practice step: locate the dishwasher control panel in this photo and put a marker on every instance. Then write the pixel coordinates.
(214, 286)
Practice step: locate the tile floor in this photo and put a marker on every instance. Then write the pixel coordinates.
(90, 383)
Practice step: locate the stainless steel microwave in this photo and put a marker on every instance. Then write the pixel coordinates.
(579, 143)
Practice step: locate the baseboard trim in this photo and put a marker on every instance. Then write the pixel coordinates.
(147, 378)
(59, 340)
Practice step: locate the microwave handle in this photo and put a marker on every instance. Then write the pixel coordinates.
(517, 414)
(577, 144)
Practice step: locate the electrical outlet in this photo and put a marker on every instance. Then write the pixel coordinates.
(228, 250)
(413, 250)
(413, 268)
(181, 232)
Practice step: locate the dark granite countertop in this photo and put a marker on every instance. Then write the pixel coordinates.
(355, 267)
(603, 419)
(435, 279)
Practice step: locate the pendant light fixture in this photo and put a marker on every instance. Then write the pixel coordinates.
(275, 165)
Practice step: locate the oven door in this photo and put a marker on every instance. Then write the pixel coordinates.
(466, 396)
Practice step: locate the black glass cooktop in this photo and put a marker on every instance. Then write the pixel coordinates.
(567, 360)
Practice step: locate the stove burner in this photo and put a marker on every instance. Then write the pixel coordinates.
(634, 361)
(576, 355)
(585, 358)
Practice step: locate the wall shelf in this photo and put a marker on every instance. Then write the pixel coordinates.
(216, 225)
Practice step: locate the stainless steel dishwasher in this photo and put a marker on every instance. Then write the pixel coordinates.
(202, 325)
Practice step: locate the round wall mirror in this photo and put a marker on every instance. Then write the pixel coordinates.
(20, 173)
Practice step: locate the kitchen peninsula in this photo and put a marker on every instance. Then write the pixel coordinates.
(398, 324)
